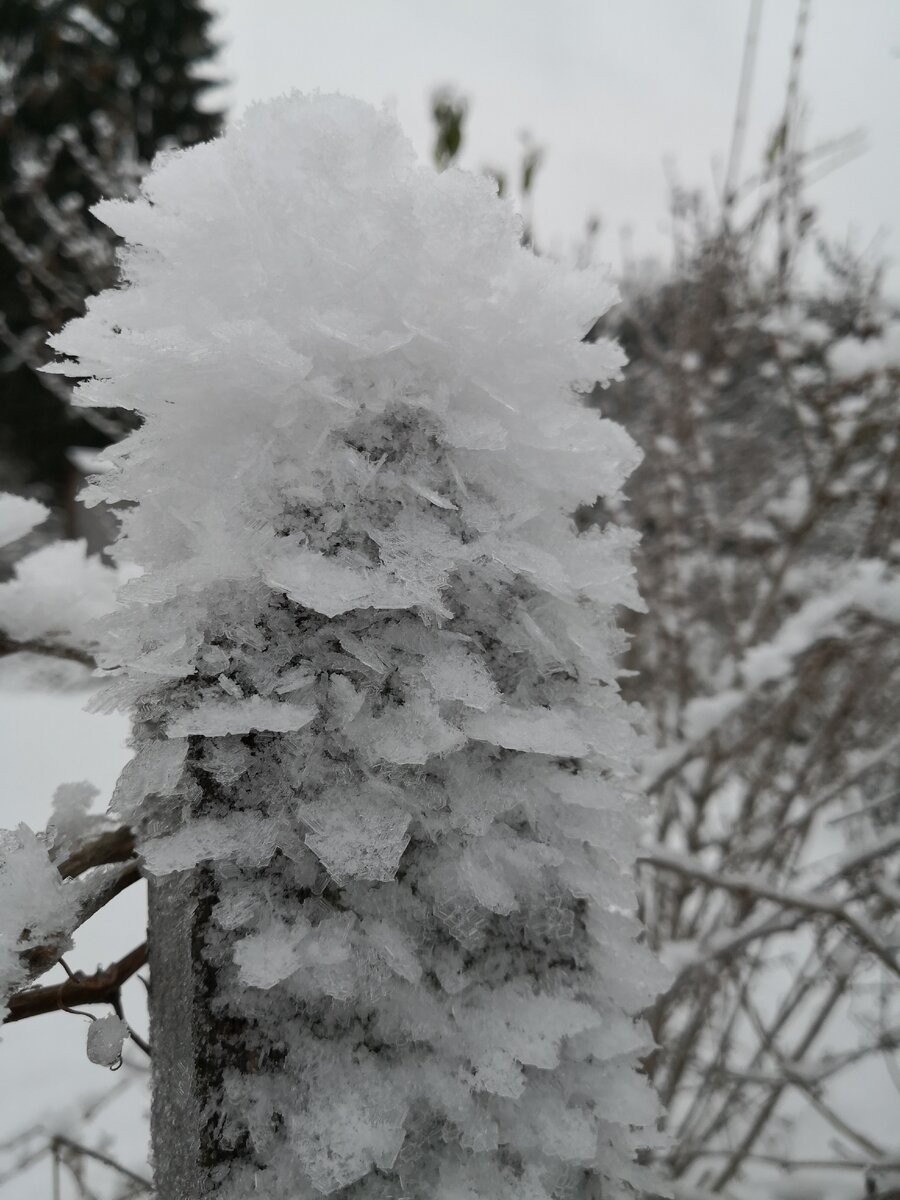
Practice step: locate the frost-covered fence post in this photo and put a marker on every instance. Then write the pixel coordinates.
(382, 772)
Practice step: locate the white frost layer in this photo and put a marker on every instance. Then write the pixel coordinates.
(244, 837)
(387, 658)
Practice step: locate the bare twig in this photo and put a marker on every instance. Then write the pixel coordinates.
(100, 988)
(46, 650)
(811, 902)
(98, 1156)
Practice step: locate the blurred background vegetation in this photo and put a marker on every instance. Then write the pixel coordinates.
(90, 93)
(765, 397)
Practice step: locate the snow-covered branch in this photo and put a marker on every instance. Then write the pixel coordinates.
(102, 987)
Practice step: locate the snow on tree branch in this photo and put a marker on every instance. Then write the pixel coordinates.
(769, 669)
(36, 908)
(19, 516)
(50, 884)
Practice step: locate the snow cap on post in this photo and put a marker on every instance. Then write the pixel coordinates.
(373, 665)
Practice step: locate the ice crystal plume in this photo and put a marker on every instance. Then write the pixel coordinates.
(373, 666)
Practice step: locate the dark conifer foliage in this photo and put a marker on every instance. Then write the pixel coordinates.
(89, 93)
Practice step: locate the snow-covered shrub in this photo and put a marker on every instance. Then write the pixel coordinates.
(383, 773)
(769, 666)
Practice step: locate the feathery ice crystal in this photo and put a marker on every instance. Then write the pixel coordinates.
(372, 666)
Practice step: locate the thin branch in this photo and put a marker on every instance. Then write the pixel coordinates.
(87, 1112)
(734, 1101)
(112, 846)
(809, 1164)
(77, 1148)
(140, 1042)
(46, 650)
(745, 1146)
(797, 1078)
(748, 64)
(881, 848)
(807, 902)
(99, 988)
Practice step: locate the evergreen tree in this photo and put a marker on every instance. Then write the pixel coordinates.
(89, 92)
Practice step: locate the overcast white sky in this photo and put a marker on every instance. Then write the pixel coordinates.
(612, 88)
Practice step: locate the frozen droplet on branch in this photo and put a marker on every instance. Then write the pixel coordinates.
(105, 1038)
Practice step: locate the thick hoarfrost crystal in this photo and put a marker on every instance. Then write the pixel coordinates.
(373, 665)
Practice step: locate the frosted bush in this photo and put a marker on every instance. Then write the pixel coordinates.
(372, 666)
